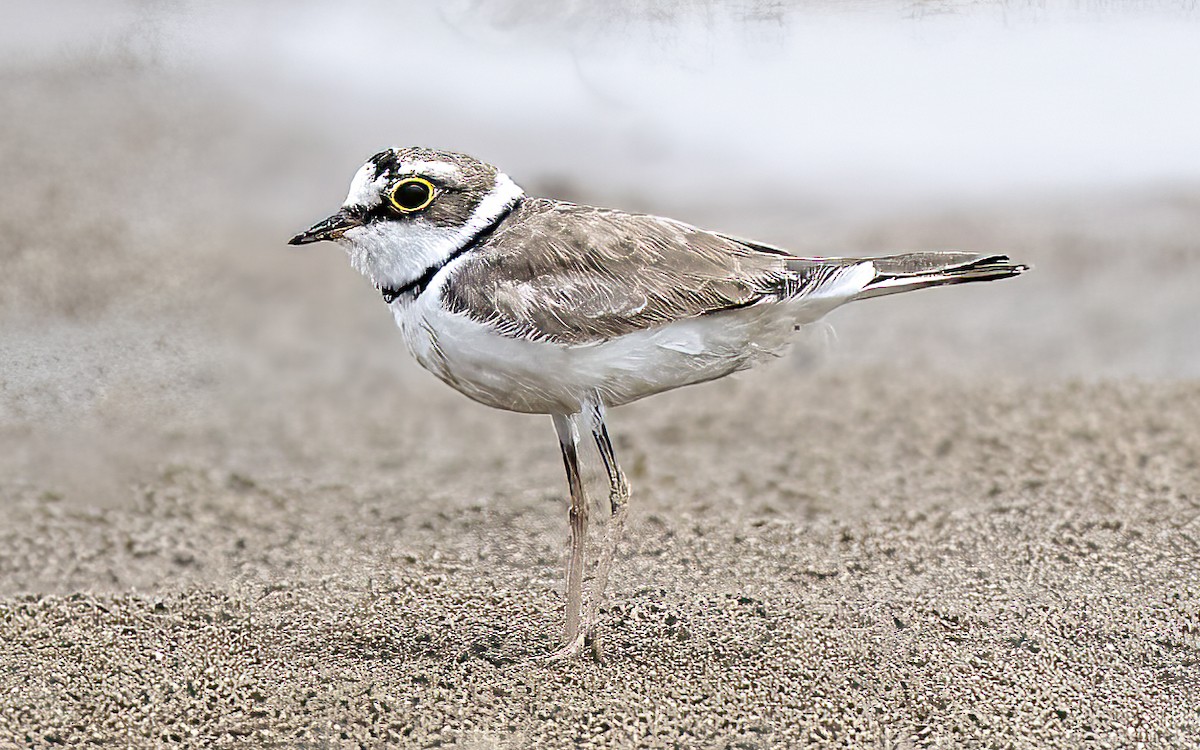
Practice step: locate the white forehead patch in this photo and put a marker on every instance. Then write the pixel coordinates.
(366, 188)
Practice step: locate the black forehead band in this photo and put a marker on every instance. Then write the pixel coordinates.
(386, 163)
(385, 160)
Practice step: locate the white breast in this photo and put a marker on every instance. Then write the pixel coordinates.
(545, 377)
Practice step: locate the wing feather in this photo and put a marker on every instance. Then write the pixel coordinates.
(578, 274)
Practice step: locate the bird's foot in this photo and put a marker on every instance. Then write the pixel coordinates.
(576, 648)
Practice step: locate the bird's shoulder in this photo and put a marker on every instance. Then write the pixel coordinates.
(579, 274)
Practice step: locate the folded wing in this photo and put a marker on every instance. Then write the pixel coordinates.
(578, 275)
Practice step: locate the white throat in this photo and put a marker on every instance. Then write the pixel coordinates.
(394, 254)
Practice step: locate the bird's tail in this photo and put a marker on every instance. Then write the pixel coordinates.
(908, 271)
(821, 284)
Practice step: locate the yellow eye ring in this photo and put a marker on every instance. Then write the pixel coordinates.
(411, 194)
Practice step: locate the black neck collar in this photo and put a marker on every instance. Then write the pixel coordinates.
(418, 285)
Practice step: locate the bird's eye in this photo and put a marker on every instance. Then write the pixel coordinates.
(412, 194)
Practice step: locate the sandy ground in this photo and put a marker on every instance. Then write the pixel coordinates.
(235, 515)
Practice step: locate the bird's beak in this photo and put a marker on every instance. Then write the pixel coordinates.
(327, 229)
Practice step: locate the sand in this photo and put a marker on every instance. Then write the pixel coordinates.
(236, 515)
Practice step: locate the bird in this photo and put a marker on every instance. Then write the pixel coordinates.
(541, 306)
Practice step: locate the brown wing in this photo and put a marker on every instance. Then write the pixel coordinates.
(578, 274)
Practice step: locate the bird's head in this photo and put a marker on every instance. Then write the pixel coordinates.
(410, 210)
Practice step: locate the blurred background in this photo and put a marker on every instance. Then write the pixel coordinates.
(155, 157)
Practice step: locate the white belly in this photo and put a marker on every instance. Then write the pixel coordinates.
(544, 377)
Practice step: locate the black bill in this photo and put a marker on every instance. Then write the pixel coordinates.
(328, 229)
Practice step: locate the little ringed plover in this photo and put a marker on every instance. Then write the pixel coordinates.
(541, 306)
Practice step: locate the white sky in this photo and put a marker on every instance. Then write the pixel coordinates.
(867, 103)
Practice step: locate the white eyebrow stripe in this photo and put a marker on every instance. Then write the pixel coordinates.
(431, 168)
